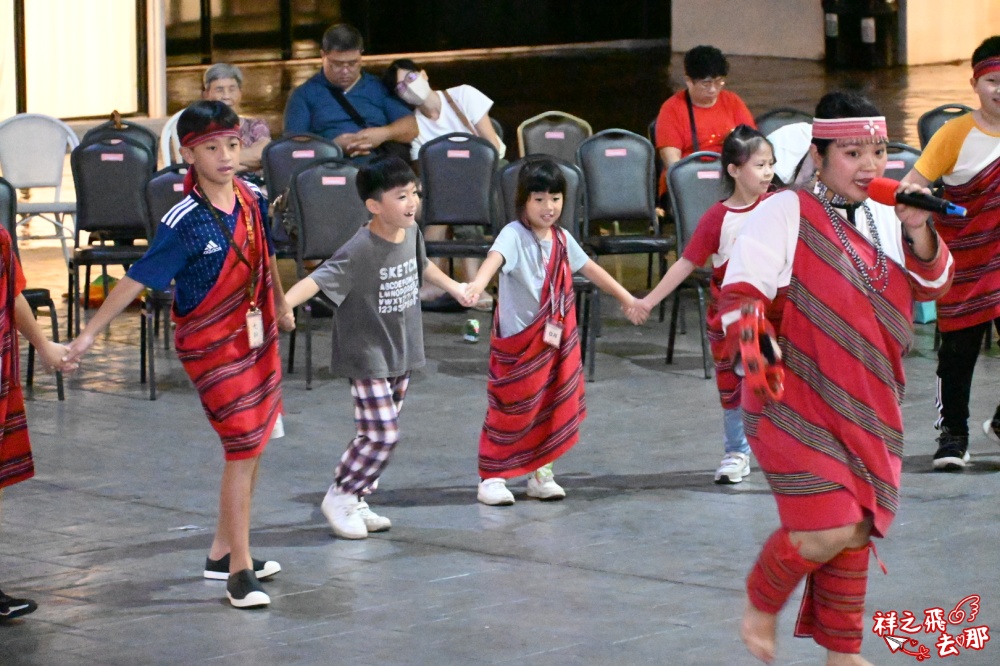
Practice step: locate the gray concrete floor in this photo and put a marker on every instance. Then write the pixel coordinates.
(643, 562)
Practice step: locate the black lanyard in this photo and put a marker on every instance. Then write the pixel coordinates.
(252, 285)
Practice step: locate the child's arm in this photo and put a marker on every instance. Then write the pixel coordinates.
(603, 280)
(51, 353)
(301, 292)
(440, 279)
(493, 262)
(677, 273)
(120, 297)
(282, 311)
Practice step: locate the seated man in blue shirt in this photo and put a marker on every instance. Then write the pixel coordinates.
(345, 104)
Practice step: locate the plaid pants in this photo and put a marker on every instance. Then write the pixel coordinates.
(377, 403)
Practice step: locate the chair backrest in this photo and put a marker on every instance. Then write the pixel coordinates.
(8, 208)
(284, 157)
(456, 174)
(497, 127)
(33, 150)
(572, 201)
(771, 120)
(901, 159)
(553, 133)
(328, 210)
(931, 122)
(619, 180)
(163, 191)
(170, 143)
(695, 184)
(134, 131)
(110, 178)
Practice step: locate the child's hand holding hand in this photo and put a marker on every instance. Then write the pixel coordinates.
(52, 355)
(637, 311)
(473, 290)
(284, 314)
(75, 351)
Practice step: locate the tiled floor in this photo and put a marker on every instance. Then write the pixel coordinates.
(643, 562)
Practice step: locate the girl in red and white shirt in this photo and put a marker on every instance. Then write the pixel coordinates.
(747, 170)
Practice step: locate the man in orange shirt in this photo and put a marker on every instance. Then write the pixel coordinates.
(703, 114)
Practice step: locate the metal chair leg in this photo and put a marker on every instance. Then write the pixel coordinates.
(594, 315)
(143, 334)
(151, 358)
(674, 312)
(291, 342)
(309, 353)
(706, 354)
(54, 321)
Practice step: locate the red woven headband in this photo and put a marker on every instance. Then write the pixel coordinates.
(213, 131)
(865, 130)
(986, 66)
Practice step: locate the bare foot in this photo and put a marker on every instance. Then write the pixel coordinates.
(758, 633)
(842, 659)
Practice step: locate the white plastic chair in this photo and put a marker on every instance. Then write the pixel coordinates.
(33, 150)
(170, 143)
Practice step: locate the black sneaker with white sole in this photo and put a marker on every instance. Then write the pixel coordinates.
(219, 569)
(953, 452)
(11, 607)
(244, 590)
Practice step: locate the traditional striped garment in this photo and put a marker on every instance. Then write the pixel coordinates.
(831, 449)
(535, 391)
(15, 447)
(239, 387)
(974, 241)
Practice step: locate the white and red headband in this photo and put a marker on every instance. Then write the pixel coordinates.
(213, 131)
(851, 130)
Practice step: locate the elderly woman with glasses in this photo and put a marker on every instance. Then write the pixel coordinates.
(439, 112)
(224, 83)
(701, 116)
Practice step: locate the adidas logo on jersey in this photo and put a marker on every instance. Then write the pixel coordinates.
(212, 248)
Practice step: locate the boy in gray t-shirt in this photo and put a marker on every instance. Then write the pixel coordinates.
(374, 281)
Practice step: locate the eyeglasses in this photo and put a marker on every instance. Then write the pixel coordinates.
(711, 84)
(407, 80)
(344, 65)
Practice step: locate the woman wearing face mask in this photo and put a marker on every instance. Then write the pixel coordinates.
(440, 112)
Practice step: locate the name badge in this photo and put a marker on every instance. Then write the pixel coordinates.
(553, 334)
(255, 328)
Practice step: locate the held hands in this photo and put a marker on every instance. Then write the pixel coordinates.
(52, 355)
(70, 360)
(354, 144)
(285, 316)
(637, 311)
(471, 293)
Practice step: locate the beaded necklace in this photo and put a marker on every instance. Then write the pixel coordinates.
(881, 267)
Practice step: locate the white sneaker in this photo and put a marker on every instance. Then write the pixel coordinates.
(734, 467)
(342, 512)
(992, 430)
(493, 492)
(373, 522)
(542, 485)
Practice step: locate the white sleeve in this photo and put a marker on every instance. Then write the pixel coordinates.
(765, 247)
(473, 103)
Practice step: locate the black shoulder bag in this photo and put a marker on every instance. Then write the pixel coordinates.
(401, 150)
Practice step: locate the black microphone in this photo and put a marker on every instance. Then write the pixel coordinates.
(883, 190)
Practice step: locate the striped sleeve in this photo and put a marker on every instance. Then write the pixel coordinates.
(930, 279)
